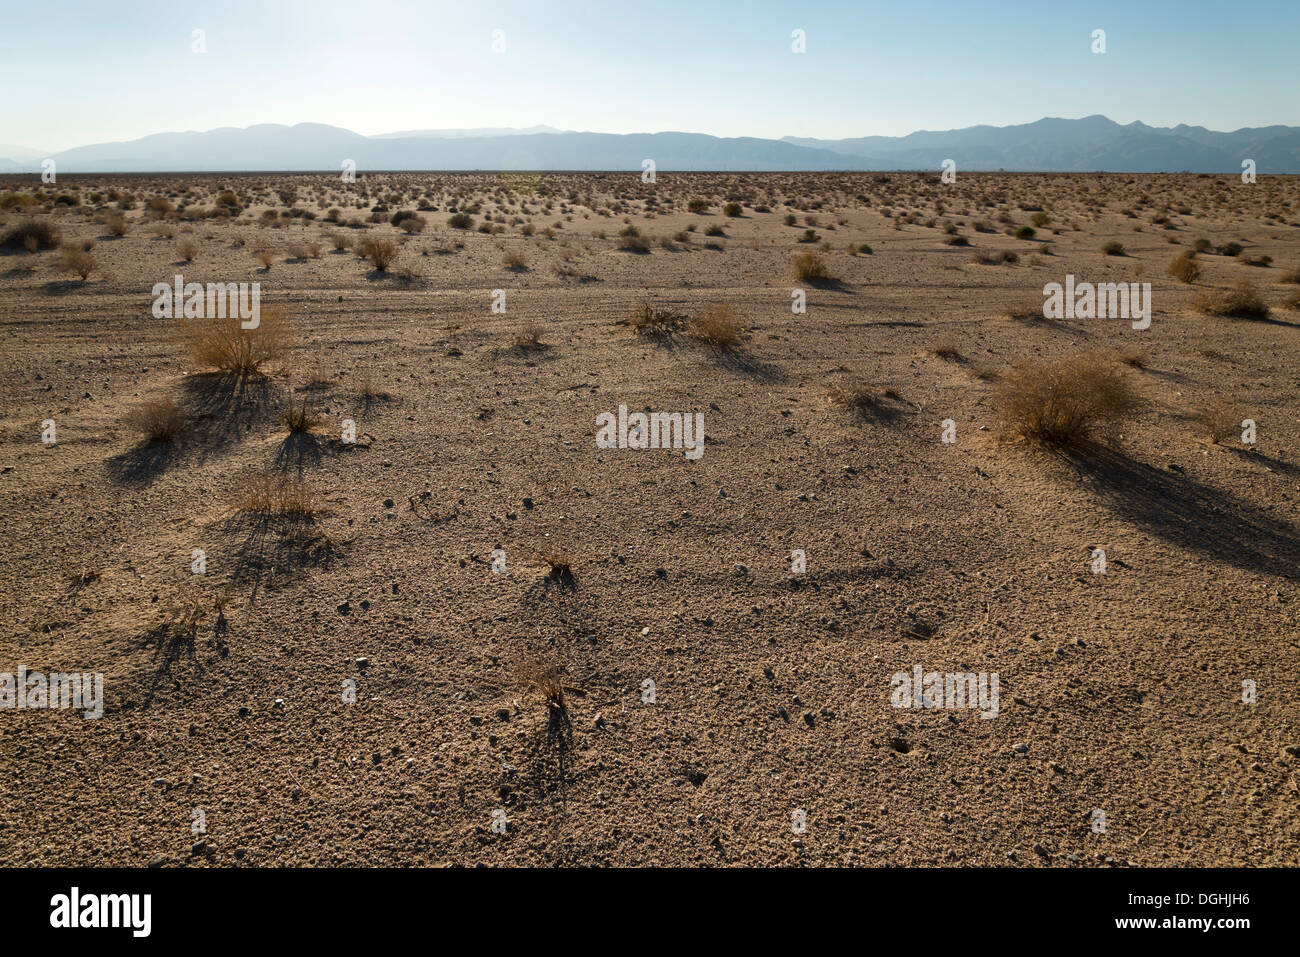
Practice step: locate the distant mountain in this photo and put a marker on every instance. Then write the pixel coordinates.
(313, 146)
(463, 134)
(1093, 143)
(20, 154)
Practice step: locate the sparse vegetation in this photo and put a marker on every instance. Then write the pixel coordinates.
(1065, 401)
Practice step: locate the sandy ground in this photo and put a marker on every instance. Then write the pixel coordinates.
(772, 691)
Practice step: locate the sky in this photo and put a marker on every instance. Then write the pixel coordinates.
(76, 72)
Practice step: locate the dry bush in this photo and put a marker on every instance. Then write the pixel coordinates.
(277, 496)
(32, 235)
(946, 349)
(77, 261)
(810, 267)
(1113, 248)
(301, 418)
(265, 257)
(649, 321)
(560, 566)
(380, 252)
(1065, 401)
(341, 241)
(530, 336)
(1241, 302)
(855, 396)
(1218, 420)
(223, 344)
(188, 247)
(546, 678)
(1185, 268)
(717, 326)
(515, 260)
(367, 388)
(116, 224)
(157, 420)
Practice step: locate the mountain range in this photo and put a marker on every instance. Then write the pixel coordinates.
(1090, 144)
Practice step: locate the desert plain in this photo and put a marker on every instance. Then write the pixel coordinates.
(477, 637)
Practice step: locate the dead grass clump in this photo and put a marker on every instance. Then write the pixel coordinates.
(717, 326)
(380, 252)
(1240, 302)
(157, 420)
(79, 262)
(32, 235)
(547, 679)
(277, 496)
(224, 345)
(1185, 268)
(301, 418)
(854, 396)
(188, 247)
(1217, 420)
(810, 267)
(946, 349)
(649, 321)
(266, 258)
(515, 260)
(560, 565)
(530, 336)
(1065, 401)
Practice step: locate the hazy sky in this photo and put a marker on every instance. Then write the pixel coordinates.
(87, 71)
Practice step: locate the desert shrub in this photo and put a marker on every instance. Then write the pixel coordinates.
(32, 235)
(530, 336)
(188, 248)
(1291, 276)
(265, 257)
(277, 496)
(1113, 248)
(115, 223)
(1185, 268)
(731, 209)
(649, 321)
(1241, 302)
(790, 219)
(946, 349)
(1040, 219)
(380, 252)
(300, 419)
(1217, 420)
(77, 261)
(157, 420)
(461, 221)
(412, 225)
(1231, 249)
(697, 205)
(1065, 401)
(1025, 232)
(810, 267)
(515, 260)
(715, 229)
(224, 345)
(1201, 246)
(341, 241)
(717, 326)
(864, 249)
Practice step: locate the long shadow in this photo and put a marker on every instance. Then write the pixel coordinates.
(549, 753)
(141, 466)
(173, 645)
(224, 407)
(298, 451)
(746, 363)
(273, 545)
(1190, 514)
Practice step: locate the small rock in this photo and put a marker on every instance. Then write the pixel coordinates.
(1020, 748)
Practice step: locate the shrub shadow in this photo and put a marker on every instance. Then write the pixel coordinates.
(1188, 513)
